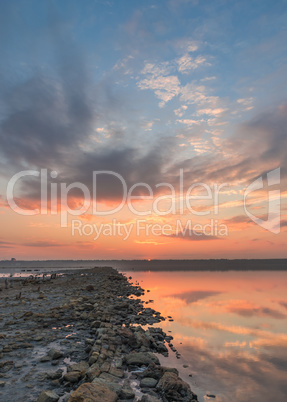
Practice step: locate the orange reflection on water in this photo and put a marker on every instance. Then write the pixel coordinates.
(226, 325)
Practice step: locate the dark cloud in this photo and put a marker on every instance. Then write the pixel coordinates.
(42, 244)
(256, 311)
(193, 237)
(195, 295)
(6, 244)
(238, 219)
(47, 117)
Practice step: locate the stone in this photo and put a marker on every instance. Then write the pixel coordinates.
(150, 398)
(161, 348)
(45, 358)
(113, 386)
(170, 370)
(55, 354)
(93, 372)
(174, 388)
(138, 359)
(82, 367)
(72, 376)
(116, 372)
(54, 375)
(109, 377)
(96, 324)
(142, 339)
(127, 392)
(48, 396)
(93, 393)
(127, 336)
(148, 382)
(105, 367)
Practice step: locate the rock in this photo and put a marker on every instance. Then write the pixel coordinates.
(93, 393)
(93, 358)
(127, 392)
(90, 288)
(148, 382)
(170, 370)
(142, 339)
(127, 336)
(55, 354)
(45, 358)
(153, 371)
(113, 386)
(93, 372)
(116, 372)
(72, 376)
(150, 398)
(108, 377)
(96, 324)
(82, 367)
(55, 375)
(2, 384)
(174, 388)
(48, 396)
(105, 367)
(138, 359)
(161, 348)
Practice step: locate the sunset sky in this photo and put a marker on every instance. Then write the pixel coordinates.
(165, 94)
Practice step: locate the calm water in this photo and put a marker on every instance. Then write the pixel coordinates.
(230, 327)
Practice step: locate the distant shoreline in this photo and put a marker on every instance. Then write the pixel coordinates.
(155, 265)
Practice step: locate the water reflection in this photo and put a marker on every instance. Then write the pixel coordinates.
(193, 296)
(230, 328)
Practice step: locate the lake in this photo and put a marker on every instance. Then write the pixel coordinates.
(230, 328)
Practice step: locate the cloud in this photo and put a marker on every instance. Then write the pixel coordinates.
(246, 103)
(43, 243)
(189, 122)
(165, 87)
(186, 63)
(208, 78)
(238, 220)
(193, 236)
(251, 311)
(46, 117)
(6, 244)
(193, 296)
(160, 69)
(66, 121)
(212, 112)
(180, 111)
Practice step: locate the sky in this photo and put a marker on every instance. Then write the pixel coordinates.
(135, 129)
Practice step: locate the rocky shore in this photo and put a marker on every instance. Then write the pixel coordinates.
(83, 336)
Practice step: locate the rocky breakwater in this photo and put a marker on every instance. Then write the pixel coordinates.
(82, 339)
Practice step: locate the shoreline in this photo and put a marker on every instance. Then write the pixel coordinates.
(201, 265)
(80, 335)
